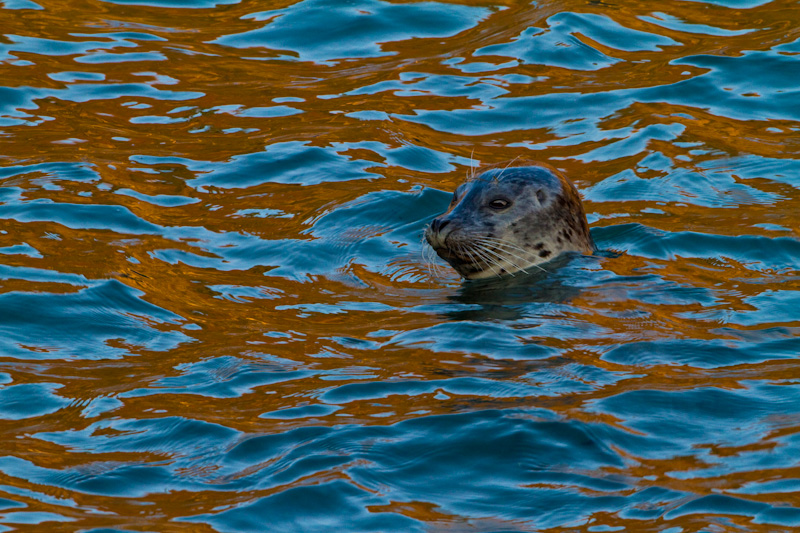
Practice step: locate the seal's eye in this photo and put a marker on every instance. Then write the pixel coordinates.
(499, 203)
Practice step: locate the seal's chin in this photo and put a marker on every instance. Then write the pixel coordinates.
(481, 274)
(471, 267)
(460, 261)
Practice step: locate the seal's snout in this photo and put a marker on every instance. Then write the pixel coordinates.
(437, 232)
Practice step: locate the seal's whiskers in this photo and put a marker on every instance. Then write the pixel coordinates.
(507, 244)
(517, 256)
(487, 260)
(429, 258)
(497, 178)
(465, 251)
(471, 165)
(509, 248)
(504, 258)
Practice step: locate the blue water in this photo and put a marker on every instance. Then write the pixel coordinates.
(217, 311)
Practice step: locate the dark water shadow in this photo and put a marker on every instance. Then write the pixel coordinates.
(512, 297)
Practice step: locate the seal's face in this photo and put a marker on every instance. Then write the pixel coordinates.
(509, 219)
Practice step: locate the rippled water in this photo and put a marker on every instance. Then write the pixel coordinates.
(215, 314)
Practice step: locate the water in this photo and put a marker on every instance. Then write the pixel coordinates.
(215, 314)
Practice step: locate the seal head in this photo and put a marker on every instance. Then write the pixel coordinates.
(510, 217)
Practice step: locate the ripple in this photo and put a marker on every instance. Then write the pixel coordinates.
(320, 504)
(223, 377)
(215, 302)
(179, 4)
(778, 253)
(558, 45)
(674, 23)
(761, 513)
(84, 325)
(285, 163)
(30, 400)
(342, 32)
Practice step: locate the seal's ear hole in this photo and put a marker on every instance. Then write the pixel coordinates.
(541, 196)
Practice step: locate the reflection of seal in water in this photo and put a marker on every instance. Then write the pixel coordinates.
(510, 217)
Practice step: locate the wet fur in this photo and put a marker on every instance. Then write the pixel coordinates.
(545, 219)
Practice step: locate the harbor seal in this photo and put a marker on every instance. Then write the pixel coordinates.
(509, 217)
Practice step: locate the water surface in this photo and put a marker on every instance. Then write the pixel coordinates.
(215, 313)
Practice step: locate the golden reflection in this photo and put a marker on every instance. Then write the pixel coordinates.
(193, 113)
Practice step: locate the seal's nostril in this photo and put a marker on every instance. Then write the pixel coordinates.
(438, 224)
